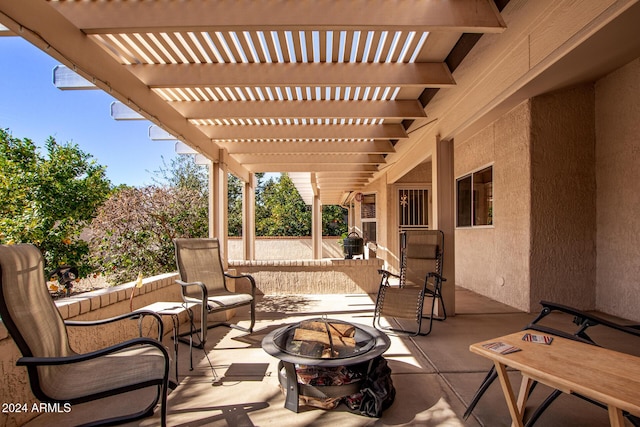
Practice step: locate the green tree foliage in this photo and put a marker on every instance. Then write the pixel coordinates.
(183, 172)
(334, 220)
(282, 211)
(134, 230)
(234, 195)
(48, 200)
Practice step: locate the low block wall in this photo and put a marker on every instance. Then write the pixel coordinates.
(326, 276)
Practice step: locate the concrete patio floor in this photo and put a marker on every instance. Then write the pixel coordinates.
(435, 376)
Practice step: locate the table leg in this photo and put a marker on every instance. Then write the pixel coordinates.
(176, 325)
(507, 390)
(523, 394)
(616, 419)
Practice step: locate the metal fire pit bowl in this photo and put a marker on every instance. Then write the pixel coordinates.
(369, 343)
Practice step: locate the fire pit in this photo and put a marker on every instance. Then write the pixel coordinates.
(321, 343)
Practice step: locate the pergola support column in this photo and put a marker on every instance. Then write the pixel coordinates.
(316, 227)
(218, 203)
(249, 218)
(444, 215)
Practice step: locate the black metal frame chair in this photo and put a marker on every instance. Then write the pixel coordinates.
(402, 296)
(57, 374)
(584, 321)
(203, 282)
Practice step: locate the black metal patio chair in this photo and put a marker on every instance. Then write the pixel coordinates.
(203, 282)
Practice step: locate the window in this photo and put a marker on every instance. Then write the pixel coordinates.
(475, 199)
(368, 216)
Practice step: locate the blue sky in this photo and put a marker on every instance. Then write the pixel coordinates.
(31, 107)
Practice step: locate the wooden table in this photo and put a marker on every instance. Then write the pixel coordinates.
(607, 376)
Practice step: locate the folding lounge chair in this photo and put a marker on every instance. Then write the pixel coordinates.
(57, 374)
(583, 321)
(203, 282)
(402, 296)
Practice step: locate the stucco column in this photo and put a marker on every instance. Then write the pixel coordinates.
(444, 216)
(249, 218)
(316, 227)
(218, 203)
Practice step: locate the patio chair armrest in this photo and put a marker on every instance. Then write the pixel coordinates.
(201, 285)
(133, 315)
(437, 276)
(31, 361)
(386, 273)
(244, 276)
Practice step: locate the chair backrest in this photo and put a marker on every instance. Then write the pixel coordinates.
(199, 260)
(422, 252)
(27, 309)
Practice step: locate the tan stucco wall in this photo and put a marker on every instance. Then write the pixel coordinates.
(618, 195)
(563, 198)
(566, 200)
(494, 260)
(285, 248)
(327, 276)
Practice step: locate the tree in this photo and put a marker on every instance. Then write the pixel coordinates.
(183, 172)
(282, 212)
(334, 220)
(234, 196)
(134, 230)
(49, 200)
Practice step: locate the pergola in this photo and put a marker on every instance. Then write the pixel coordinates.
(328, 91)
(344, 96)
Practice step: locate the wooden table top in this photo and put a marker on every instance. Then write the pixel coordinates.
(607, 376)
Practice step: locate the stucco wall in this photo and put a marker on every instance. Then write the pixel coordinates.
(326, 276)
(563, 198)
(494, 260)
(286, 248)
(618, 196)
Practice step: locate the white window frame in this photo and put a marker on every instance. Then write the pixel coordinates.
(374, 219)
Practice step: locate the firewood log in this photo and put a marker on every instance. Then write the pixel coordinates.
(322, 337)
(342, 329)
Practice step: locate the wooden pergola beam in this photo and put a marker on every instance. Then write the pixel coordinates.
(423, 75)
(378, 132)
(311, 159)
(310, 147)
(461, 15)
(398, 110)
(309, 167)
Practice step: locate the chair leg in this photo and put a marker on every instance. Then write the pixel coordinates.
(488, 380)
